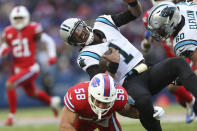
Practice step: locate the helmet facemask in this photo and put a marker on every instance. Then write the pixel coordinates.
(99, 111)
(71, 27)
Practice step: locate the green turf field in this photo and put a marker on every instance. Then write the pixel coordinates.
(37, 120)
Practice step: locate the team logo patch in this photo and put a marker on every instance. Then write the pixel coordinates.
(95, 82)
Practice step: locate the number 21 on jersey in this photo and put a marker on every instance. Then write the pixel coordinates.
(21, 48)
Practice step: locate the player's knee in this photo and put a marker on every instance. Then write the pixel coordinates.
(9, 85)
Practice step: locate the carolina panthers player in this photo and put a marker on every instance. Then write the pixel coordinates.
(139, 81)
(183, 97)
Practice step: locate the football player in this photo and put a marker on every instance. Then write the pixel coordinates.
(20, 39)
(91, 105)
(181, 28)
(140, 82)
(183, 97)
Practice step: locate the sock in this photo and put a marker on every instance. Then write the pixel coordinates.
(12, 100)
(43, 96)
(182, 95)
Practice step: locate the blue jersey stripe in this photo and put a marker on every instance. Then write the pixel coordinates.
(106, 21)
(182, 43)
(181, 3)
(91, 54)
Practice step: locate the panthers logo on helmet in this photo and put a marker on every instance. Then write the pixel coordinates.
(168, 12)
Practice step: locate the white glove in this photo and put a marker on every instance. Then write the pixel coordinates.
(158, 112)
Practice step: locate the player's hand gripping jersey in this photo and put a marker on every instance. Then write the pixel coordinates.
(91, 54)
(185, 42)
(76, 100)
(23, 43)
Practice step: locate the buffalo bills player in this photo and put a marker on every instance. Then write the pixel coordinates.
(20, 39)
(91, 105)
(183, 97)
(140, 82)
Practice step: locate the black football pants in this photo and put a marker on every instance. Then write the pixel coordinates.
(142, 86)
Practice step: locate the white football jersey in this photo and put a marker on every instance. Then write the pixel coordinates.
(186, 40)
(129, 55)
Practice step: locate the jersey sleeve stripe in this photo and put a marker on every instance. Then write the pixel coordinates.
(68, 106)
(186, 42)
(106, 21)
(68, 103)
(90, 54)
(115, 123)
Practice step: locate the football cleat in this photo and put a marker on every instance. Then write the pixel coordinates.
(55, 103)
(9, 121)
(190, 115)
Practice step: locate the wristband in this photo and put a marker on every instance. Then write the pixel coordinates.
(113, 67)
(133, 4)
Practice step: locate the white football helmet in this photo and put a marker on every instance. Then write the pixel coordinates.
(67, 29)
(162, 20)
(103, 89)
(19, 11)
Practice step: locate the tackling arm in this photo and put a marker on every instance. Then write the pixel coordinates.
(132, 112)
(67, 120)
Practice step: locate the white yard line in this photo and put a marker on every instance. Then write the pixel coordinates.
(50, 120)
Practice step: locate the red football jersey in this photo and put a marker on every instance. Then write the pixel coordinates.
(23, 43)
(76, 99)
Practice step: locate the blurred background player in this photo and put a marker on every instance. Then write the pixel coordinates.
(20, 38)
(93, 104)
(183, 97)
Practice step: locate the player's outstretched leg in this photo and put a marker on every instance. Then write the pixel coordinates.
(12, 101)
(53, 102)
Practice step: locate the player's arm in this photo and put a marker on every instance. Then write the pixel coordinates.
(50, 46)
(129, 111)
(113, 59)
(67, 120)
(4, 46)
(146, 43)
(134, 10)
(93, 70)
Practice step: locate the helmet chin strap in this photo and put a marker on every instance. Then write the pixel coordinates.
(90, 38)
(99, 115)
